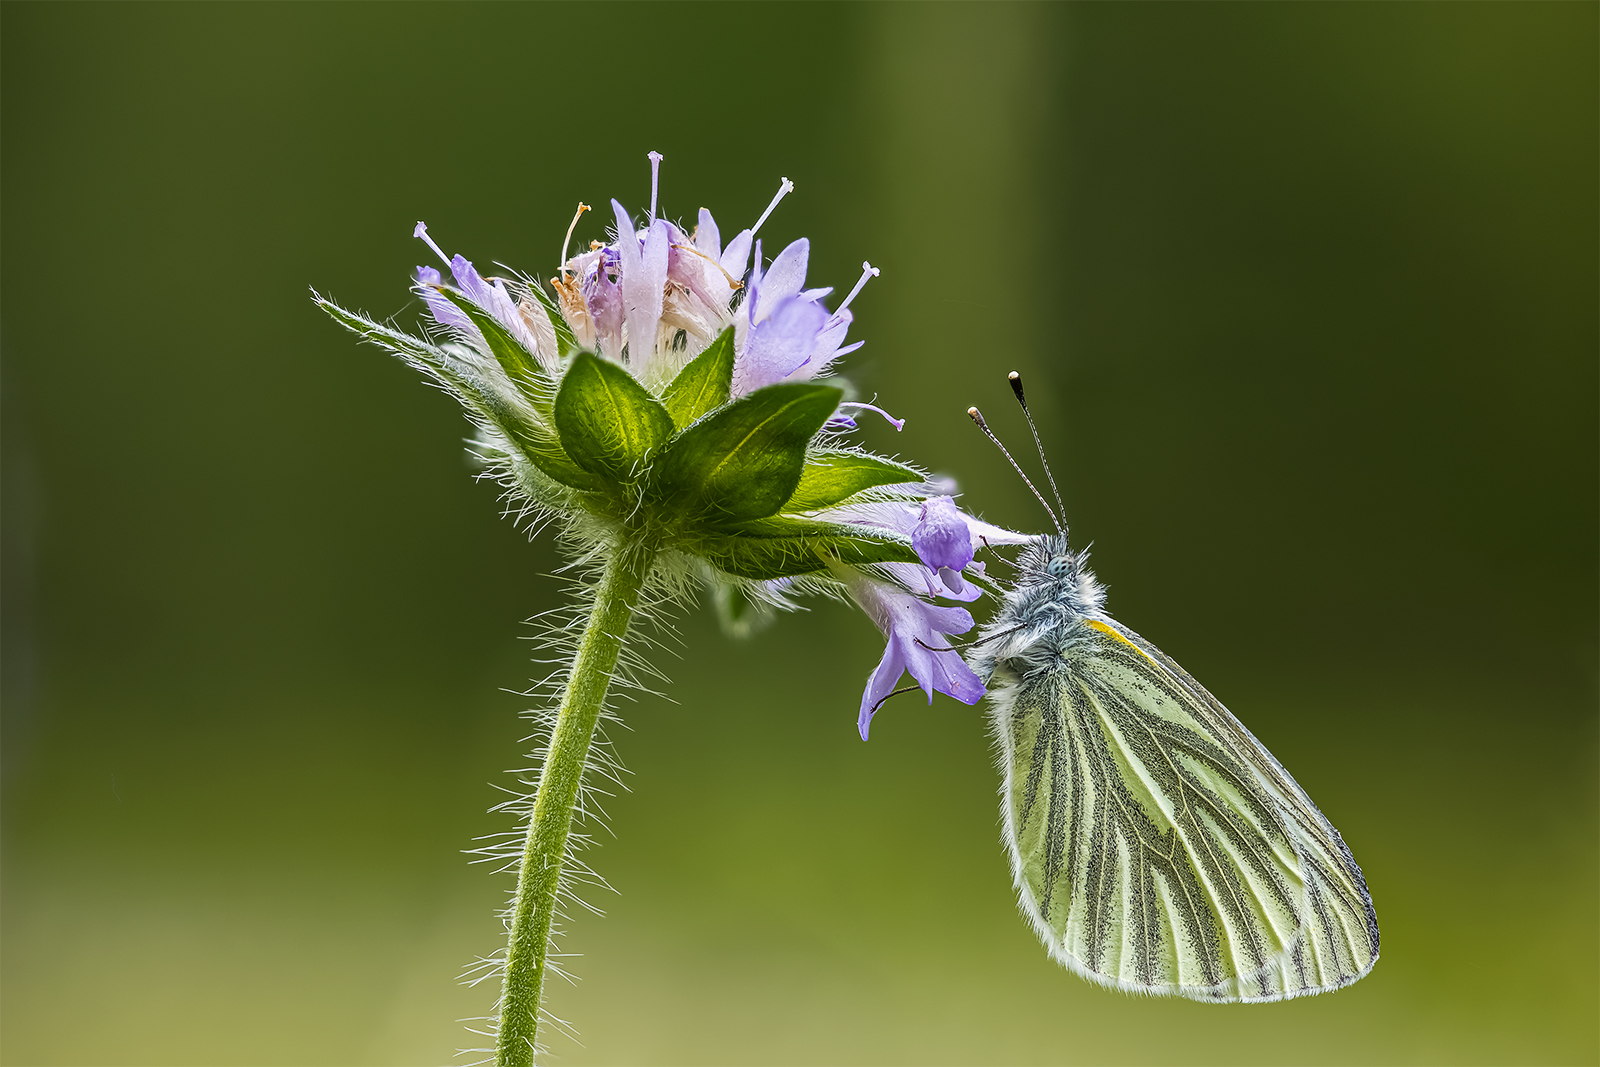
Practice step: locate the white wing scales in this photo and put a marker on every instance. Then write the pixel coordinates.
(1157, 846)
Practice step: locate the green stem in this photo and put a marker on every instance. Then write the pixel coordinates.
(614, 601)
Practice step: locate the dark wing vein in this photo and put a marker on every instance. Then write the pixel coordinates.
(1158, 846)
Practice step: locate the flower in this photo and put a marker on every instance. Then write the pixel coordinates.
(492, 298)
(648, 303)
(916, 631)
(942, 539)
(945, 539)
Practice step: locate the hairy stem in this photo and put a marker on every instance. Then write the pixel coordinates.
(614, 602)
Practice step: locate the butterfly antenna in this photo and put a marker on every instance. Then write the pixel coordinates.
(1016, 387)
(977, 417)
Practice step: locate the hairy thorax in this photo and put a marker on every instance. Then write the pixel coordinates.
(1042, 615)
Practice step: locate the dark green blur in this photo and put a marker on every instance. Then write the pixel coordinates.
(1306, 300)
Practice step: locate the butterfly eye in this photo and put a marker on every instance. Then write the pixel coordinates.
(1058, 567)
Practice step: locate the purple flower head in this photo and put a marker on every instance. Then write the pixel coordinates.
(916, 630)
(653, 296)
(666, 294)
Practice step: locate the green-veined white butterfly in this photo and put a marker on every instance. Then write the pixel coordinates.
(1156, 845)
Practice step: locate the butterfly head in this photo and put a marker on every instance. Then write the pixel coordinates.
(1060, 567)
(1051, 559)
(1049, 571)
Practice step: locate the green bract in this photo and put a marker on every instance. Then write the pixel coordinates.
(732, 482)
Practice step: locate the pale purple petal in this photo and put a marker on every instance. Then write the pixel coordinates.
(951, 675)
(446, 313)
(920, 579)
(625, 229)
(984, 533)
(778, 345)
(903, 518)
(890, 515)
(697, 275)
(602, 298)
(880, 685)
(916, 644)
(784, 278)
(825, 349)
(469, 281)
(832, 335)
(941, 537)
(443, 311)
(707, 238)
(952, 581)
(736, 257)
(650, 287)
(644, 275)
(752, 295)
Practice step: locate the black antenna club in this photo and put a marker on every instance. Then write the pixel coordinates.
(1016, 387)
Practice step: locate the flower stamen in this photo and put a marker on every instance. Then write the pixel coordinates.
(582, 207)
(783, 190)
(422, 232)
(733, 283)
(867, 271)
(655, 179)
(898, 424)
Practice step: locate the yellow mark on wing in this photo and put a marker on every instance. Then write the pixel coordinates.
(1110, 631)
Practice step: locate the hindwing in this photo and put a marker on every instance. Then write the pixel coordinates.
(1157, 846)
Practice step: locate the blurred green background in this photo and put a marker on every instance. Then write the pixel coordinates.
(1307, 297)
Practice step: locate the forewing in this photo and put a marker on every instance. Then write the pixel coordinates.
(1157, 846)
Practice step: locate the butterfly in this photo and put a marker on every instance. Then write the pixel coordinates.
(1157, 847)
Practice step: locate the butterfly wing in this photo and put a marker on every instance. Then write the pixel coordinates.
(1158, 847)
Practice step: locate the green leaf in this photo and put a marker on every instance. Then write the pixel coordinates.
(405, 346)
(518, 363)
(830, 477)
(744, 460)
(783, 547)
(566, 344)
(704, 383)
(479, 397)
(608, 423)
(547, 454)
